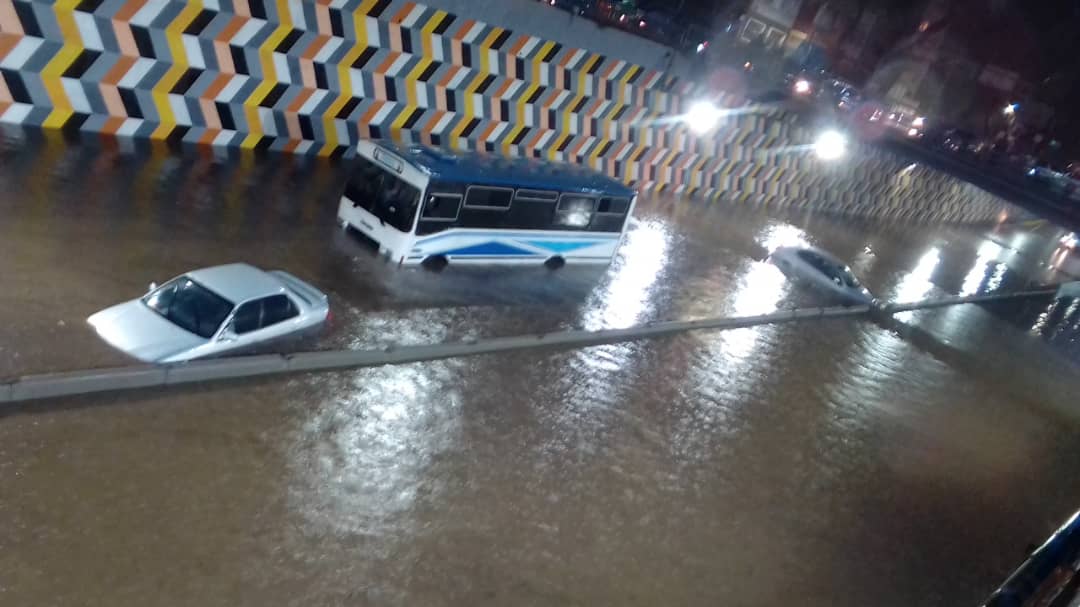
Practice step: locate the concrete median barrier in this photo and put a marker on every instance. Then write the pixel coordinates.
(56, 385)
(75, 383)
(86, 382)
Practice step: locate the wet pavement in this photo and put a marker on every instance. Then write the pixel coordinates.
(833, 463)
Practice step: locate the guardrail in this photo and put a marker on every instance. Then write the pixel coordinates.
(1048, 578)
(75, 383)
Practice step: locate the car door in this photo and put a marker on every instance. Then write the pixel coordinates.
(280, 318)
(241, 333)
(259, 322)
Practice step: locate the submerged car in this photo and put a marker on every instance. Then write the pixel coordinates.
(822, 271)
(225, 309)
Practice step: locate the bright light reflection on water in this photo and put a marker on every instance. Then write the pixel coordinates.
(916, 284)
(625, 299)
(760, 289)
(782, 235)
(988, 253)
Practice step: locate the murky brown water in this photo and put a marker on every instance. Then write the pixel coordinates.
(811, 464)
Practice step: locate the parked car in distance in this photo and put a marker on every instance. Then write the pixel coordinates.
(219, 310)
(958, 141)
(822, 271)
(1057, 182)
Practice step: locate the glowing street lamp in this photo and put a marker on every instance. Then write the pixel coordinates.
(702, 117)
(1011, 109)
(830, 145)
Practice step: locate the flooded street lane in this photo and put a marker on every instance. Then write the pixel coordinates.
(831, 463)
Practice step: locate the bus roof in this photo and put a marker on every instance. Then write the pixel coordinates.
(494, 170)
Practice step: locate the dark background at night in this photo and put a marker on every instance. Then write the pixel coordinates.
(1039, 39)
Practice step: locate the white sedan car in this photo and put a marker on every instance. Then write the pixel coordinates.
(821, 271)
(213, 311)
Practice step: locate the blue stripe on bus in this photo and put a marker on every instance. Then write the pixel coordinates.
(489, 249)
(563, 246)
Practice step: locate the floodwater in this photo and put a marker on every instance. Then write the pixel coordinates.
(829, 463)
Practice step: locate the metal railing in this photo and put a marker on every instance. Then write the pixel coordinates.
(1048, 578)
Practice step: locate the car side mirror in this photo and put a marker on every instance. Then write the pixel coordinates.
(152, 287)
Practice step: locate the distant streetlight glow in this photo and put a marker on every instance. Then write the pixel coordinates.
(702, 117)
(802, 86)
(830, 145)
(702, 46)
(1011, 109)
(918, 122)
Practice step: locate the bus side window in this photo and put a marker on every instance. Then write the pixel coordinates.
(613, 206)
(442, 207)
(574, 211)
(495, 199)
(536, 195)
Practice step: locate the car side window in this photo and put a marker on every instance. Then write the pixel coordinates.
(247, 317)
(278, 308)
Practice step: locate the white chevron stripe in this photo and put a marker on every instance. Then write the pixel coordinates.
(136, 72)
(88, 31)
(75, 93)
(21, 53)
(328, 49)
(192, 50)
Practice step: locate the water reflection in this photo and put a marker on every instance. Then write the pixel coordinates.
(981, 269)
(782, 235)
(361, 455)
(916, 284)
(759, 290)
(627, 296)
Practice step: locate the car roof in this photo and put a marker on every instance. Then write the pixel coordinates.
(237, 282)
(501, 171)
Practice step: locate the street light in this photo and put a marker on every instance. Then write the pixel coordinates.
(830, 145)
(702, 117)
(1011, 109)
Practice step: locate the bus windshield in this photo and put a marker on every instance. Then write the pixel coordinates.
(383, 194)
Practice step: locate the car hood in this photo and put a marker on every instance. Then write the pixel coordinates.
(135, 329)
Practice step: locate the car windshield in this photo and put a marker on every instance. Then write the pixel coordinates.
(835, 272)
(190, 306)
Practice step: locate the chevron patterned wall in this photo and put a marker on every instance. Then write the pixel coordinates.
(315, 77)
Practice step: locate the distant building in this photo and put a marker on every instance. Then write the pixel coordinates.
(956, 69)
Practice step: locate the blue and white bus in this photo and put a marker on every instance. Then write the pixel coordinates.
(425, 206)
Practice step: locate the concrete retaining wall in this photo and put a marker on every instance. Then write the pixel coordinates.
(309, 77)
(543, 21)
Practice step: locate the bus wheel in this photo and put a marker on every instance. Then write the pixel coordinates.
(435, 263)
(554, 263)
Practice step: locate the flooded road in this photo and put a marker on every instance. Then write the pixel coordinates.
(814, 464)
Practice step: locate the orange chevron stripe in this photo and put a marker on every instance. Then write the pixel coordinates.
(402, 14)
(7, 42)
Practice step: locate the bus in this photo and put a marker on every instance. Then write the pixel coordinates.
(420, 205)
